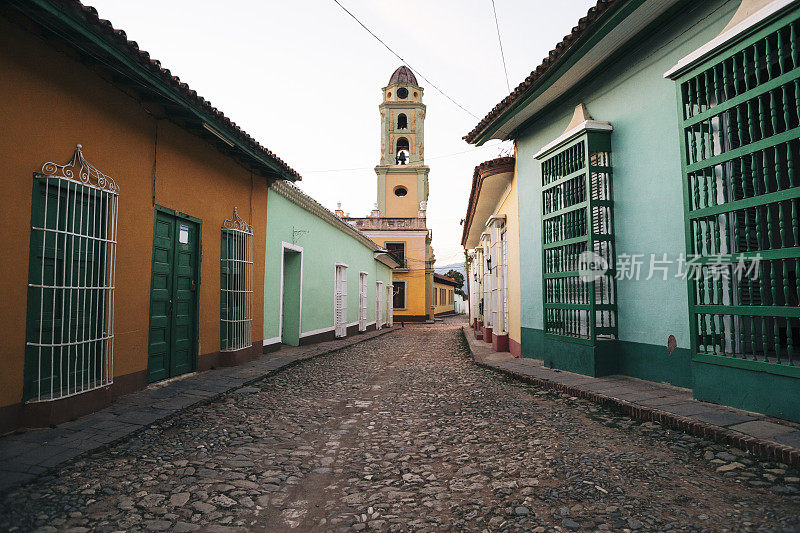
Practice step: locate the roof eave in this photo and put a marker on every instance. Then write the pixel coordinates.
(596, 32)
(45, 12)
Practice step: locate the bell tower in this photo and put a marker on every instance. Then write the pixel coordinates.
(402, 174)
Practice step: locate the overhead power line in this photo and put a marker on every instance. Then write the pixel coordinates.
(500, 42)
(417, 72)
(429, 159)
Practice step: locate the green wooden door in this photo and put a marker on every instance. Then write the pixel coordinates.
(173, 296)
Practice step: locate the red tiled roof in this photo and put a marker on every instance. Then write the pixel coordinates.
(120, 39)
(438, 278)
(480, 172)
(561, 49)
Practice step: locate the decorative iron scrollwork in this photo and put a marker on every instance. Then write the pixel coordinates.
(237, 223)
(86, 172)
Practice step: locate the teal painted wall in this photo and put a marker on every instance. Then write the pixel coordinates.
(770, 394)
(645, 361)
(634, 97)
(323, 245)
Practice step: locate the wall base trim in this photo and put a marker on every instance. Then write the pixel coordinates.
(221, 359)
(514, 347)
(410, 318)
(42, 414)
(500, 343)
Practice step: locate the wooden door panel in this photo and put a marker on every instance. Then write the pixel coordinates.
(173, 297)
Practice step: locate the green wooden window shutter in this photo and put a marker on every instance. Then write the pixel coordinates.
(740, 120)
(577, 235)
(70, 311)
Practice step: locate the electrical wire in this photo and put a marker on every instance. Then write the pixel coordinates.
(500, 42)
(417, 72)
(410, 162)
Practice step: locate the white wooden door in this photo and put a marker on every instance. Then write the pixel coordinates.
(378, 294)
(389, 305)
(504, 275)
(340, 301)
(362, 302)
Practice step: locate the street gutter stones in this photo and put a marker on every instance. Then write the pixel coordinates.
(405, 433)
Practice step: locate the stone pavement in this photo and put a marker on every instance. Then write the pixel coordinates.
(767, 437)
(405, 433)
(28, 453)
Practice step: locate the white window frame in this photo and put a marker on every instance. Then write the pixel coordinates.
(389, 305)
(95, 290)
(504, 274)
(487, 285)
(362, 300)
(340, 299)
(378, 295)
(240, 290)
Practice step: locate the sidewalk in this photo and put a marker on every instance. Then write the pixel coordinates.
(28, 453)
(673, 407)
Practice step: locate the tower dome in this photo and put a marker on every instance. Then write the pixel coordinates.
(403, 75)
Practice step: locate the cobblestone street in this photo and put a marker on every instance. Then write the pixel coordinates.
(405, 432)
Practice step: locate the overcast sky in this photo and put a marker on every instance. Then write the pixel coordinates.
(304, 79)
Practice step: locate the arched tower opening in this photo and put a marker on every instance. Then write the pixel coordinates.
(402, 121)
(402, 153)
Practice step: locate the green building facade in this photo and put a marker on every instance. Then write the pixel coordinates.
(657, 151)
(324, 279)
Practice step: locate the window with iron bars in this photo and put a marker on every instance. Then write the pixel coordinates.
(70, 316)
(577, 237)
(236, 284)
(740, 142)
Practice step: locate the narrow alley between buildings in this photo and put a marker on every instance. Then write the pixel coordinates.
(405, 432)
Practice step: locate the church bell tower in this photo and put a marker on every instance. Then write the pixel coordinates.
(402, 173)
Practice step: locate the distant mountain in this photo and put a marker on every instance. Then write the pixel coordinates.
(458, 267)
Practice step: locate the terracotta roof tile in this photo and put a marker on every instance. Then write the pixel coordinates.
(89, 14)
(584, 24)
(439, 278)
(477, 177)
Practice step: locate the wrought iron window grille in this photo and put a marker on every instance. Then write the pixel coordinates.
(71, 281)
(236, 284)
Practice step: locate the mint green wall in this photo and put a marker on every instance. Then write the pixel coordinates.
(323, 246)
(641, 104)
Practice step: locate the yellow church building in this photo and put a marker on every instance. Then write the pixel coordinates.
(398, 221)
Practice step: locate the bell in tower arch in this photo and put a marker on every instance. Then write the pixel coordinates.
(401, 153)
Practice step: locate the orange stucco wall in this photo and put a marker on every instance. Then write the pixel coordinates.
(401, 206)
(414, 277)
(443, 290)
(50, 103)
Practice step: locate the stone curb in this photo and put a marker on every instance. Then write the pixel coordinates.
(764, 449)
(201, 402)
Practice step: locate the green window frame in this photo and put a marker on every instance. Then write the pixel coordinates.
(579, 302)
(740, 142)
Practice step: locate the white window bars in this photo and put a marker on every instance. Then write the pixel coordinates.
(236, 284)
(70, 317)
(378, 298)
(362, 301)
(504, 275)
(340, 300)
(389, 305)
